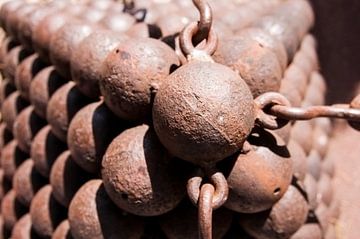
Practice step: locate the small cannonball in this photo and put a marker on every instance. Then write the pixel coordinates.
(297, 78)
(93, 215)
(281, 221)
(46, 147)
(323, 214)
(140, 176)
(118, 22)
(6, 45)
(203, 112)
(63, 231)
(328, 166)
(64, 42)
(92, 15)
(16, 17)
(11, 108)
(302, 132)
(42, 87)
(132, 74)
(90, 133)
(309, 231)
(7, 9)
(66, 177)
(27, 181)
(26, 126)
(11, 209)
(320, 141)
(6, 88)
(5, 185)
(144, 30)
(314, 164)
(290, 91)
(11, 157)
(182, 222)
(25, 73)
(5, 136)
(325, 189)
(87, 59)
(62, 107)
(261, 176)
(172, 24)
(298, 157)
(13, 58)
(23, 229)
(253, 61)
(46, 213)
(284, 133)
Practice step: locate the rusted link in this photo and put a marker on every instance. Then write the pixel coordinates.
(265, 101)
(205, 210)
(220, 185)
(205, 22)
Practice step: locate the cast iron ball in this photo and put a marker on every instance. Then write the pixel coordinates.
(6, 88)
(140, 176)
(322, 214)
(11, 157)
(203, 112)
(8, 8)
(297, 79)
(25, 72)
(46, 147)
(117, 22)
(11, 209)
(87, 59)
(62, 231)
(132, 74)
(15, 18)
(314, 164)
(93, 215)
(23, 229)
(144, 30)
(327, 166)
(261, 176)
(253, 61)
(284, 133)
(325, 189)
(6, 45)
(5, 185)
(92, 15)
(90, 133)
(298, 157)
(320, 140)
(62, 107)
(311, 189)
(66, 177)
(26, 126)
(302, 133)
(27, 181)
(182, 222)
(281, 221)
(11, 108)
(46, 213)
(42, 87)
(309, 231)
(5, 136)
(64, 42)
(15, 56)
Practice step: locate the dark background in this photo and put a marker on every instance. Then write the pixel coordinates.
(337, 30)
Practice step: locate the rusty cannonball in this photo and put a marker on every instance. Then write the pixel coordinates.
(5, 185)
(261, 176)
(64, 42)
(46, 147)
(93, 215)
(14, 57)
(320, 141)
(284, 133)
(5, 136)
(309, 231)
(27, 181)
(117, 22)
(6, 88)
(42, 87)
(182, 222)
(11, 209)
(90, 133)
(46, 213)
(44, 30)
(314, 164)
(203, 112)
(87, 59)
(282, 220)
(6, 45)
(311, 189)
(289, 90)
(328, 167)
(23, 229)
(299, 80)
(11, 157)
(26, 126)
(302, 132)
(298, 157)
(253, 61)
(144, 30)
(16, 17)
(139, 174)
(62, 107)
(130, 79)
(322, 214)
(7, 9)
(325, 189)
(66, 177)
(25, 73)
(11, 108)
(63, 231)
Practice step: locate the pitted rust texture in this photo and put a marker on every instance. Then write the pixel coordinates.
(93, 215)
(11, 210)
(117, 22)
(86, 60)
(140, 176)
(27, 181)
(90, 133)
(260, 176)
(23, 229)
(63, 231)
(46, 214)
(26, 126)
(298, 157)
(45, 148)
(130, 81)
(12, 59)
(11, 108)
(66, 177)
(6, 88)
(5, 136)
(11, 157)
(42, 87)
(6, 45)
(7, 9)
(203, 112)
(14, 19)
(62, 107)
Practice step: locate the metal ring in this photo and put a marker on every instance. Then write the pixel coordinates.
(205, 211)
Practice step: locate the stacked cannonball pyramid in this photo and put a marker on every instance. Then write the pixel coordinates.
(114, 125)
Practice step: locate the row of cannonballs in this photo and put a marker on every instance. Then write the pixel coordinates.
(86, 150)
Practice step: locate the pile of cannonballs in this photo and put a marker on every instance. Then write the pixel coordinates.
(105, 119)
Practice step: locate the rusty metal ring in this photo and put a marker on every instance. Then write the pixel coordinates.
(205, 22)
(187, 35)
(266, 100)
(205, 211)
(221, 189)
